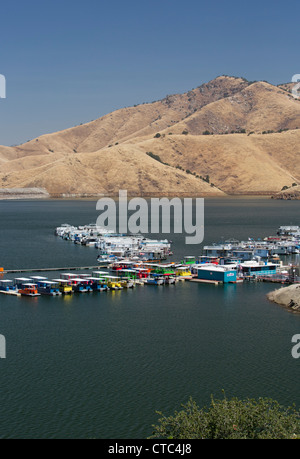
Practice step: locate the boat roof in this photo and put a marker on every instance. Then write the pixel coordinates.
(22, 279)
(61, 280)
(94, 278)
(211, 267)
(256, 263)
(78, 279)
(50, 282)
(38, 278)
(112, 277)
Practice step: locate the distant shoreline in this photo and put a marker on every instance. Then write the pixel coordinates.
(45, 197)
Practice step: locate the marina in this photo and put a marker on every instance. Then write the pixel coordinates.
(230, 262)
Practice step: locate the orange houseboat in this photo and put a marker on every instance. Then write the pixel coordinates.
(29, 290)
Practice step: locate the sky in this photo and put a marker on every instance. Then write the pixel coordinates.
(69, 62)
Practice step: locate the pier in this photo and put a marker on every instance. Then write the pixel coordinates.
(44, 270)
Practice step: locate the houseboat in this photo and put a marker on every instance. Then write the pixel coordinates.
(257, 268)
(113, 282)
(154, 279)
(183, 273)
(216, 274)
(100, 274)
(97, 284)
(7, 287)
(81, 285)
(49, 288)
(29, 290)
(65, 286)
(68, 276)
(20, 281)
(169, 279)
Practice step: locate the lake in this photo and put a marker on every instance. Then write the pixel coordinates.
(101, 365)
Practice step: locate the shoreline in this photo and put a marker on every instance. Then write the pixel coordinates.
(73, 197)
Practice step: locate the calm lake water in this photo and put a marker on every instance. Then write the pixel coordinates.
(100, 366)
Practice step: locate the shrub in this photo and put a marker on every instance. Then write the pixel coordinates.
(154, 156)
(230, 419)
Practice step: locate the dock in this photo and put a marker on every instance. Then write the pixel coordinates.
(205, 281)
(44, 270)
(13, 293)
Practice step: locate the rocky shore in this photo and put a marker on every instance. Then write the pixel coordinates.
(288, 297)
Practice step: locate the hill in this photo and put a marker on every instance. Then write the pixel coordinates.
(226, 136)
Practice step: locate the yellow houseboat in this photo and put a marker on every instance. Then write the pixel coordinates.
(183, 272)
(113, 282)
(65, 286)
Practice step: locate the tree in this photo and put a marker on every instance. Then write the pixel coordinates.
(231, 419)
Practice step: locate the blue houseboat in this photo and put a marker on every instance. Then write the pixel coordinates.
(50, 288)
(213, 273)
(256, 268)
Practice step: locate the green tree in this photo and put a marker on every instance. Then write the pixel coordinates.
(231, 419)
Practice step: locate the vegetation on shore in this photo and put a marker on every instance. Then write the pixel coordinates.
(263, 418)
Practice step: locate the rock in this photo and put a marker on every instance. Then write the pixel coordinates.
(287, 296)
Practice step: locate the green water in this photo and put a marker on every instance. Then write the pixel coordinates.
(99, 366)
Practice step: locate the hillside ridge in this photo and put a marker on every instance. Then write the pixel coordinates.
(227, 136)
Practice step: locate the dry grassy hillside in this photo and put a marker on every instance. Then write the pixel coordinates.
(110, 153)
(103, 173)
(236, 163)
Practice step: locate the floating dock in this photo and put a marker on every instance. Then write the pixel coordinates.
(13, 293)
(205, 281)
(44, 270)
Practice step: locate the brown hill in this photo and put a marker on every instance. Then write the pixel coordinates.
(102, 173)
(236, 163)
(110, 153)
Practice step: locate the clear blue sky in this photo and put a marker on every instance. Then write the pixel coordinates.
(68, 62)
